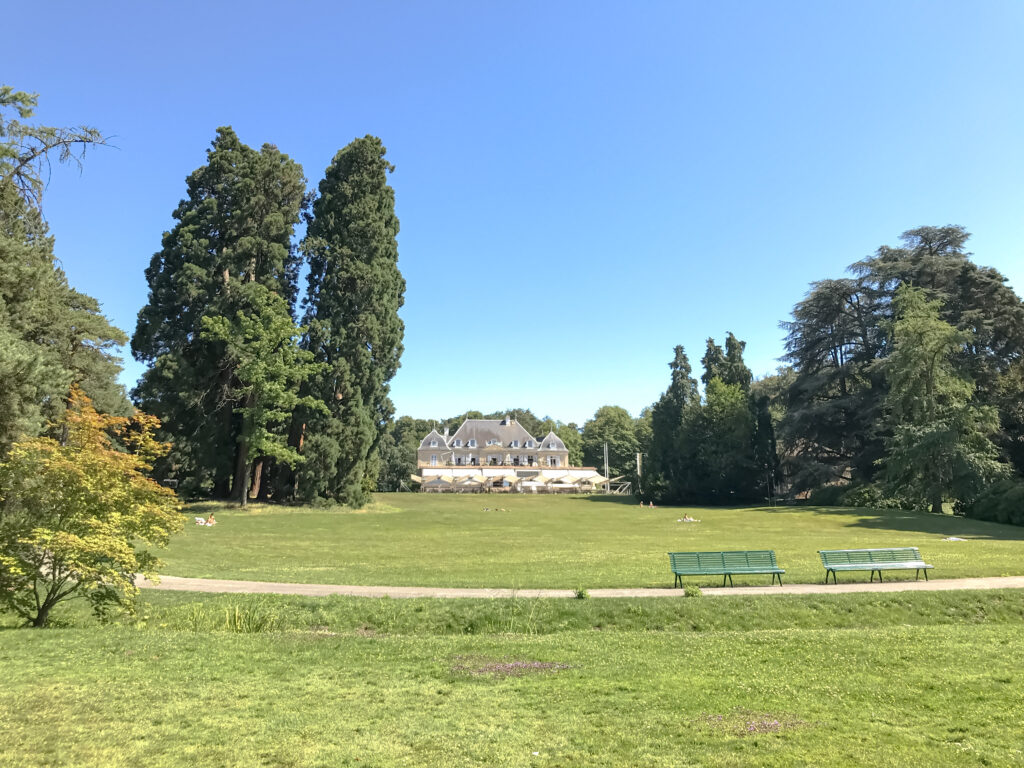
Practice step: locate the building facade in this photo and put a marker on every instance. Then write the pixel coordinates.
(491, 442)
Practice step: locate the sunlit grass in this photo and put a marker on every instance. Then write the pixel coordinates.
(889, 696)
(564, 542)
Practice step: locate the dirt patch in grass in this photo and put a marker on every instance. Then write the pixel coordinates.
(745, 722)
(481, 666)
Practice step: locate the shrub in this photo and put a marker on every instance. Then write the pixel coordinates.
(76, 515)
(827, 495)
(869, 495)
(1001, 502)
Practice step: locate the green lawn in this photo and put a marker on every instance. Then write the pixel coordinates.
(839, 680)
(558, 542)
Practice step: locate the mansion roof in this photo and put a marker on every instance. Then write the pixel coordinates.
(492, 433)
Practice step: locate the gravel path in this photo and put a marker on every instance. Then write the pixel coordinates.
(278, 588)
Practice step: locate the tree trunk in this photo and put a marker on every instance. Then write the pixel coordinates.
(241, 486)
(42, 617)
(257, 474)
(937, 501)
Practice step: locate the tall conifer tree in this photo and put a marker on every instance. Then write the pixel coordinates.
(234, 228)
(664, 466)
(351, 312)
(51, 336)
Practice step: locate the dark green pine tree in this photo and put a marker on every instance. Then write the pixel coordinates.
(713, 362)
(51, 336)
(234, 228)
(351, 311)
(665, 472)
(939, 446)
(734, 370)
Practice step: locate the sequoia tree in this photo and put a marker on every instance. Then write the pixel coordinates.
(355, 290)
(234, 228)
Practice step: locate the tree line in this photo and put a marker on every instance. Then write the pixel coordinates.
(903, 387)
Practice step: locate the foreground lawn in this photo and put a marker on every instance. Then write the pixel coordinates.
(825, 681)
(559, 542)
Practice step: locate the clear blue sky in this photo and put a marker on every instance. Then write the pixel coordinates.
(581, 186)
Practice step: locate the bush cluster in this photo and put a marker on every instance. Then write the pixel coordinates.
(1001, 502)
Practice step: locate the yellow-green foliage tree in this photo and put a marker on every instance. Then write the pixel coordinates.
(77, 514)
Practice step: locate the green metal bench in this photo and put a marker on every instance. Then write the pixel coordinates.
(724, 564)
(874, 560)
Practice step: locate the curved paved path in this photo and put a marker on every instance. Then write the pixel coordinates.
(280, 588)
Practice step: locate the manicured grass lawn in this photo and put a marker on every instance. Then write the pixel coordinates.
(559, 542)
(943, 691)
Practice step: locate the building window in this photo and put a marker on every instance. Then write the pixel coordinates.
(456, 443)
(433, 443)
(515, 444)
(492, 442)
(552, 461)
(471, 444)
(529, 444)
(433, 459)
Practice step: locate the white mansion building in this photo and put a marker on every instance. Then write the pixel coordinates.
(498, 454)
(491, 442)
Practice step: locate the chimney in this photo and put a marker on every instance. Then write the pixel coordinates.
(446, 434)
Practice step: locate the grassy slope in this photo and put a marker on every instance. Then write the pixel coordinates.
(901, 695)
(449, 540)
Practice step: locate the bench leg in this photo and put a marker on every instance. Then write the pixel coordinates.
(679, 581)
(926, 574)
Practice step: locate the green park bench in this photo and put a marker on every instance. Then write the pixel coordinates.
(724, 564)
(874, 560)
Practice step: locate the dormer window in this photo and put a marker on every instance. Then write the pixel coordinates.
(471, 444)
(529, 443)
(433, 443)
(515, 444)
(492, 442)
(456, 444)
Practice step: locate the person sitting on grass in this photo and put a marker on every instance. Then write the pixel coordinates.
(210, 520)
(688, 519)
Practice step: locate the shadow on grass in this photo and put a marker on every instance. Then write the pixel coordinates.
(607, 498)
(914, 522)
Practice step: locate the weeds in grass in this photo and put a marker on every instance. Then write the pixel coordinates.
(246, 618)
(692, 590)
(250, 618)
(517, 620)
(581, 593)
